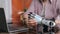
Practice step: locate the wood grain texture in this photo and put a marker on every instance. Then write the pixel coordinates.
(17, 6)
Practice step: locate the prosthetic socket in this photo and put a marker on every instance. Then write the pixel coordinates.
(41, 20)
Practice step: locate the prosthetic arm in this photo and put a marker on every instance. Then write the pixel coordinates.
(41, 20)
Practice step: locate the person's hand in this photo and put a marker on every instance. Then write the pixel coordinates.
(57, 20)
(32, 22)
(57, 23)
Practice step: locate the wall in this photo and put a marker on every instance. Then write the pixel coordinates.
(8, 9)
(1, 3)
(17, 6)
(7, 5)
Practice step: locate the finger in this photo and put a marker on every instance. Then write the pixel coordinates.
(20, 12)
(30, 20)
(33, 20)
(32, 23)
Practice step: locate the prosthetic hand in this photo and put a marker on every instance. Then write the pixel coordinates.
(41, 20)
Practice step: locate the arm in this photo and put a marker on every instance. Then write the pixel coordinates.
(30, 9)
(57, 20)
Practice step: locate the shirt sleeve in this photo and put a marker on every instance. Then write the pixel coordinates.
(58, 9)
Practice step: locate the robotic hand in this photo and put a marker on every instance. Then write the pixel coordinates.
(42, 20)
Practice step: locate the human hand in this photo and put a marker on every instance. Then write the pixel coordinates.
(32, 22)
